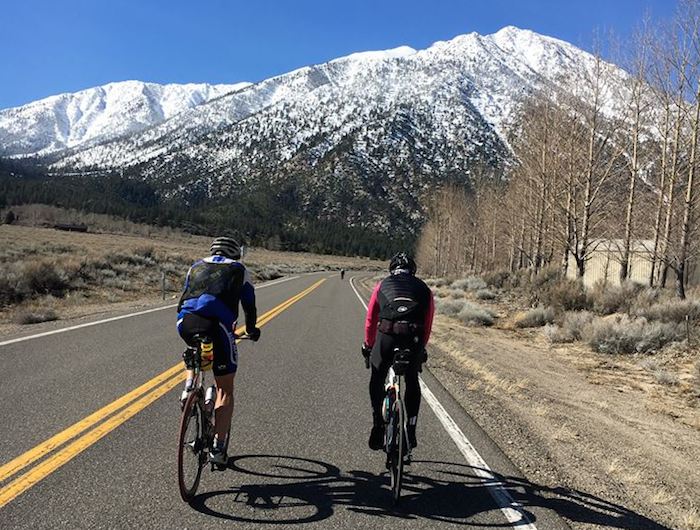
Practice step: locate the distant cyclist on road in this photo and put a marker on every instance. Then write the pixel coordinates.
(400, 315)
(209, 306)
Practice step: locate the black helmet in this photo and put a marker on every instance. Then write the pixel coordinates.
(402, 261)
(227, 247)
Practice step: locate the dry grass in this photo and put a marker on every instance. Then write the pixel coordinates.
(690, 520)
(535, 318)
(564, 434)
(662, 497)
(482, 377)
(633, 477)
(541, 410)
(613, 466)
(35, 317)
(91, 269)
(665, 377)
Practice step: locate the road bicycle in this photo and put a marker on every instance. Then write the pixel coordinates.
(396, 446)
(197, 421)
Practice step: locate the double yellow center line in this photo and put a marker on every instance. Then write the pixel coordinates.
(125, 407)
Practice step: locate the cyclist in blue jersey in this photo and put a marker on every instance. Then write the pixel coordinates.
(214, 287)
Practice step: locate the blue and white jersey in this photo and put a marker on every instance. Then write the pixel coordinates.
(213, 289)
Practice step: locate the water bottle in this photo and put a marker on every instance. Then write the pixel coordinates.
(207, 355)
(210, 399)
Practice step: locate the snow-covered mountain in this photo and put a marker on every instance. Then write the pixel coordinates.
(360, 139)
(97, 114)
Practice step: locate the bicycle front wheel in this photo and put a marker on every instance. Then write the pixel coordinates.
(397, 450)
(191, 455)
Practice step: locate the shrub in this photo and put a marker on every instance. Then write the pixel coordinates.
(11, 292)
(497, 279)
(535, 318)
(450, 307)
(123, 284)
(672, 311)
(268, 273)
(630, 335)
(120, 260)
(455, 294)
(35, 317)
(665, 377)
(470, 283)
(570, 329)
(44, 278)
(563, 295)
(607, 300)
(646, 298)
(437, 282)
(475, 315)
(545, 277)
(441, 293)
(485, 294)
(145, 252)
(10, 217)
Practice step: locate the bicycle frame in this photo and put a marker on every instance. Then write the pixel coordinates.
(397, 381)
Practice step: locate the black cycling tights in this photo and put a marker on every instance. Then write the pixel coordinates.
(411, 396)
(382, 357)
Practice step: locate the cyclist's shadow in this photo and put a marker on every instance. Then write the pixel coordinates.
(293, 490)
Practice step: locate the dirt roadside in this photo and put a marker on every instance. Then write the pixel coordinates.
(590, 424)
(600, 439)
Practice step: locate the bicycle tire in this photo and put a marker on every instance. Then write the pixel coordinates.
(192, 411)
(398, 450)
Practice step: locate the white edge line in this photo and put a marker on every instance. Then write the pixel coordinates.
(512, 510)
(120, 317)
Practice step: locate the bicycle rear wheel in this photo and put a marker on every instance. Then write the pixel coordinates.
(191, 455)
(397, 449)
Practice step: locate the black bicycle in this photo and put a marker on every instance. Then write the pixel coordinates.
(196, 423)
(396, 446)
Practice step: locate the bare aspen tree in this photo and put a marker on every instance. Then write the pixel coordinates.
(690, 20)
(677, 59)
(638, 106)
(662, 93)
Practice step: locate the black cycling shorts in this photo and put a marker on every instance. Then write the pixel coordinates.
(225, 351)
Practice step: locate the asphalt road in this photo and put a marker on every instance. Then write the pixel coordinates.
(298, 447)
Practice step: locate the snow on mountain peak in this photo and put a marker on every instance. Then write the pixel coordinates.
(95, 114)
(379, 55)
(472, 78)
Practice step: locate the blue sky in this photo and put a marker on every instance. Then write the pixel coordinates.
(53, 46)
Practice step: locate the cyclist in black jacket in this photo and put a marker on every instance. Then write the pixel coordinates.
(399, 315)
